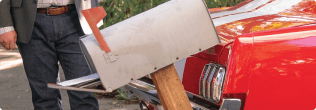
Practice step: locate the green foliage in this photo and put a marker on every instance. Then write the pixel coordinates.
(221, 3)
(122, 94)
(118, 10)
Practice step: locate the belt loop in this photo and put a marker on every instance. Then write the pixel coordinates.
(47, 11)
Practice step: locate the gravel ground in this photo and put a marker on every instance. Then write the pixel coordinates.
(15, 91)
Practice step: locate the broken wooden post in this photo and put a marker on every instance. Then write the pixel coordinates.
(170, 89)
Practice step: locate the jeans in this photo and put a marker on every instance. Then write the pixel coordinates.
(56, 38)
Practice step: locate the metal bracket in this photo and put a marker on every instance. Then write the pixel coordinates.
(230, 104)
(110, 57)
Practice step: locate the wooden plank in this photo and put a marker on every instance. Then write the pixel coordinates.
(170, 89)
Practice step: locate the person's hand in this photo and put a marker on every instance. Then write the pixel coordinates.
(7, 40)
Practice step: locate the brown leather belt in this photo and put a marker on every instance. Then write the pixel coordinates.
(55, 10)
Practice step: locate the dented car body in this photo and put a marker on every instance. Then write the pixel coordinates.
(266, 60)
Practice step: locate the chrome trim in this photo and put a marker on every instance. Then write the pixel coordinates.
(143, 106)
(211, 82)
(148, 93)
(217, 85)
(203, 77)
(230, 104)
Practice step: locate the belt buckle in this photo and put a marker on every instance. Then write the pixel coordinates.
(47, 11)
(49, 8)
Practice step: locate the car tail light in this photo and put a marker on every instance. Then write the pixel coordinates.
(211, 82)
(217, 85)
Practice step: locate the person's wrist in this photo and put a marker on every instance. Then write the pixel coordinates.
(6, 29)
(8, 40)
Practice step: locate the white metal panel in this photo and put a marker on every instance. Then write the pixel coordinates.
(152, 40)
(271, 8)
(250, 6)
(76, 81)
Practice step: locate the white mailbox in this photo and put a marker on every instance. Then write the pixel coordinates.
(150, 41)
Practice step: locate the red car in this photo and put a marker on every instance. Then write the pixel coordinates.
(267, 60)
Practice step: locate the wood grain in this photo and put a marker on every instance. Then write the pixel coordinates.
(170, 89)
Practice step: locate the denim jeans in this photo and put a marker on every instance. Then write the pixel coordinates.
(55, 38)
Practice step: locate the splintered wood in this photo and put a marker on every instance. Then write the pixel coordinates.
(170, 89)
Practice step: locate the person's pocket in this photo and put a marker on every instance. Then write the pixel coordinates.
(16, 3)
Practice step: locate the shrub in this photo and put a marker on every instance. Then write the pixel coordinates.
(119, 10)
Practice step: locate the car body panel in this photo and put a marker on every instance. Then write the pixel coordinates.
(268, 49)
(267, 16)
(228, 32)
(237, 76)
(192, 73)
(240, 65)
(283, 67)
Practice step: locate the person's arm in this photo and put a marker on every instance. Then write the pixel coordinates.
(8, 37)
(5, 15)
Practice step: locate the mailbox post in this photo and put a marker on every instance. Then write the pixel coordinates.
(170, 89)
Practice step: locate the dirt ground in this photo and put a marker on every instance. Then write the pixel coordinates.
(15, 92)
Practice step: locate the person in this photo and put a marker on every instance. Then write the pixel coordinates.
(48, 31)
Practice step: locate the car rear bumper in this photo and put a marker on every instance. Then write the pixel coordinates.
(144, 90)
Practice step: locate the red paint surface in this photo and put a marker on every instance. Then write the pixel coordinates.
(195, 64)
(283, 71)
(224, 56)
(300, 14)
(271, 73)
(274, 73)
(212, 10)
(192, 72)
(238, 70)
(211, 53)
